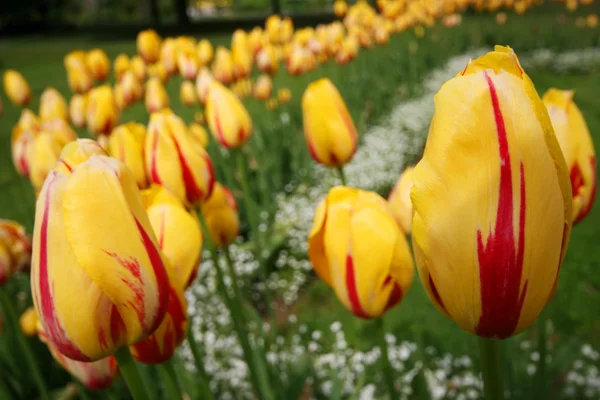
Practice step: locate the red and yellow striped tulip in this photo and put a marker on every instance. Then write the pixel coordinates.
(203, 81)
(16, 88)
(492, 201)
(77, 109)
(176, 161)
(15, 249)
(205, 52)
(227, 118)
(117, 275)
(222, 68)
(52, 105)
(199, 134)
(98, 64)
(126, 144)
(138, 67)
(399, 200)
(131, 88)
(266, 60)
(328, 128)
(42, 155)
(22, 138)
(221, 214)
(187, 62)
(187, 93)
(157, 97)
(102, 112)
(263, 87)
(357, 248)
(121, 65)
(576, 144)
(148, 44)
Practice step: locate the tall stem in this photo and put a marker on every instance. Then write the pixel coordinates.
(130, 373)
(247, 197)
(491, 369)
(169, 379)
(385, 359)
(199, 358)
(12, 321)
(341, 174)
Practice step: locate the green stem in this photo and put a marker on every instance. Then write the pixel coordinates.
(247, 197)
(542, 350)
(4, 392)
(130, 373)
(82, 391)
(491, 369)
(168, 377)
(198, 357)
(12, 321)
(385, 359)
(341, 174)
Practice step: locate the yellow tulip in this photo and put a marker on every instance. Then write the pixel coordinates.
(126, 144)
(199, 134)
(576, 144)
(148, 45)
(121, 65)
(187, 93)
(28, 322)
(117, 275)
(205, 52)
(52, 105)
(241, 55)
(78, 75)
(273, 27)
(119, 97)
(382, 36)
(59, 128)
(357, 248)
(301, 60)
(592, 20)
(168, 56)
(222, 68)
(227, 118)
(156, 96)
(131, 87)
(176, 161)
(138, 67)
(203, 81)
(272, 104)
(15, 249)
(284, 95)
(22, 137)
(102, 112)
(77, 109)
(263, 87)
(187, 63)
(98, 64)
(328, 128)
(286, 30)
(157, 71)
(16, 88)
(220, 212)
(491, 199)
(255, 40)
(399, 200)
(266, 60)
(340, 8)
(43, 153)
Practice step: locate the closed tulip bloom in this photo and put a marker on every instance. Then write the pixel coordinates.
(187, 62)
(222, 68)
(340, 8)
(203, 81)
(126, 144)
(266, 60)
(399, 200)
(131, 87)
(138, 67)
(43, 154)
(52, 105)
(227, 118)
(158, 71)
(328, 128)
(178, 233)
(284, 95)
(382, 36)
(102, 112)
(205, 52)
(22, 137)
(123, 275)
(301, 60)
(77, 109)
(491, 199)
(187, 93)
(28, 322)
(15, 249)
(357, 248)
(59, 128)
(221, 214)
(576, 144)
(16, 88)
(119, 98)
(148, 45)
(175, 161)
(121, 65)
(199, 134)
(98, 64)
(156, 96)
(80, 80)
(168, 56)
(273, 27)
(263, 87)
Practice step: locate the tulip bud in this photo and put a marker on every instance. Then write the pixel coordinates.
(121, 65)
(102, 112)
(157, 71)
(187, 63)
(221, 214)
(176, 161)
(16, 88)
(22, 137)
(168, 56)
(131, 87)
(122, 271)
(126, 144)
(98, 64)
(205, 52)
(222, 68)
(15, 249)
(399, 200)
(203, 81)
(199, 134)
(119, 98)
(78, 75)
(284, 95)
(491, 199)
(28, 322)
(240, 54)
(357, 248)
(263, 87)
(148, 45)
(301, 60)
(340, 8)
(52, 105)
(328, 128)
(187, 93)
(43, 155)
(138, 67)
(576, 144)
(266, 60)
(227, 117)
(272, 27)
(156, 96)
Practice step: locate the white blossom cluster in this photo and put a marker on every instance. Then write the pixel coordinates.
(574, 61)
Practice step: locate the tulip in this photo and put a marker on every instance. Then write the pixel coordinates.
(199, 134)
(382, 36)
(187, 63)
(22, 138)
(178, 233)
(78, 75)
(52, 105)
(340, 8)
(158, 71)
(273, 27)
(119, 97)
(222, 68)
(102, 112)
(43, 153)
(205, 52)
(266, 60)
(121, 65)
(263, 87)
(132, 88)
(357, 248)
(300, 61)
(203, 81)
(399, 200)
(60, 129)
(168, 56)
(255, 40)
(16, 88)
(328, 128)
(98, 64)
(126, 144)
(228, 119)
(15, 249)
(479, 208)
(148, 45)
(77, 109)
(28, 322)
(221, 214)
(175, 161)
(156, 96)
(272, 104)
(122, 271)
(284, 95)
(138, 67)
(187, 93)
(576, 144)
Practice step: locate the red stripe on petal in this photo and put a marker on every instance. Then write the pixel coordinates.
(436, 294)
(154, 175)
(352, 290)
(219, 128)
(500, 258)
(578, 178)
(193, 193)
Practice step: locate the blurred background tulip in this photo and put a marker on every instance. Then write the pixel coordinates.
(126, 144)
(187, 93)
(168, 56)
(203, 81)
(199, 134)
(263, 87)
(79, 77)
(121, 65)
(187, 62)
(131, 87)
(221, 215)
(16, 88)
(205, 52)
(102, 113)
(284, 95)
(15, 249)
(43, 153)
(138, 67)
(98, 64)
(266, 60)
(52, 105)
(399, 200)
(148, 45)
(227, 118)
(77, 110)
(156, 96)
(222, 67)
(28, 322)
